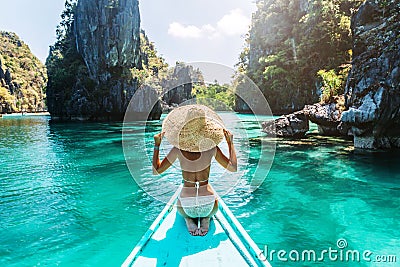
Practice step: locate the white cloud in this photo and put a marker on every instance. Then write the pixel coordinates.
(209, 31)
(231, 24)
(178, 30)
(181, 31)
(234, 23)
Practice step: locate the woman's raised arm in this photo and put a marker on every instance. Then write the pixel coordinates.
(231, 163)
(161, 166)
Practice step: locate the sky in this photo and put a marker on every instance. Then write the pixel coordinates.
(182, 30)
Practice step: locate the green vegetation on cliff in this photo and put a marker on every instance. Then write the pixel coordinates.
(64, 64)
(290, 42)
(220, 97)
(333, 83)
(22, 76)
(153, 67)
(153, 64)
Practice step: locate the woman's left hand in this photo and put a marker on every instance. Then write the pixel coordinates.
(158, 138)
(228, 136)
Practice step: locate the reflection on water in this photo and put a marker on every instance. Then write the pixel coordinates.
(67, 196)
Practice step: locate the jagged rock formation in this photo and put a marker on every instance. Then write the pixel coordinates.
(373, 86)
(101, 58)
(294, 125)
(22, 77)
(327, 117)
(177, 87)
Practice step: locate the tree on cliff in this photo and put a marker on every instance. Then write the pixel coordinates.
(290, 41)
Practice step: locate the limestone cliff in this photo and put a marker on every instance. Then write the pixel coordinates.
(22, 76)
(100, 57)
(373, 86)
(108, 36)
(178, 85)
(371, 111)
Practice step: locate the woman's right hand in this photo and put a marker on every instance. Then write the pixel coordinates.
(158, 138)
(228, 136)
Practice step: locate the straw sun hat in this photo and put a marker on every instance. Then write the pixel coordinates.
(193, 128)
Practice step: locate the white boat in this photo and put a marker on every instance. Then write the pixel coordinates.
(168, 243)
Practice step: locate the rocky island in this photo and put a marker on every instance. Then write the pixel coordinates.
(22, 77)
(95, 65)
(369, 110)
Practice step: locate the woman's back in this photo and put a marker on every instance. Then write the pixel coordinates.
(196, 165)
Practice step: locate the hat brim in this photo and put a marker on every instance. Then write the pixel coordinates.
(184, 136)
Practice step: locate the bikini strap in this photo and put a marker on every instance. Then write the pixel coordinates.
(197, 186)
(196, 181)
(197, 200)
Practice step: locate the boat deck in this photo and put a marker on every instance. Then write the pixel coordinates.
(168, 243)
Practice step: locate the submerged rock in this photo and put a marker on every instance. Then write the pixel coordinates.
(294, 125)
(373, 86)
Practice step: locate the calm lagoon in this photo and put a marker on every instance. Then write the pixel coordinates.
(67, 197)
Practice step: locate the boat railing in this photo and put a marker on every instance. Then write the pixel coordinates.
(152, 229)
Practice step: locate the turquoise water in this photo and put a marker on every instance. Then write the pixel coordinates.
(67, 197)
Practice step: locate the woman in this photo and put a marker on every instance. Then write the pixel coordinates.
(195, 131)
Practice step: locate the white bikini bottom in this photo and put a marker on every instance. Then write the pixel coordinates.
(198, 206)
